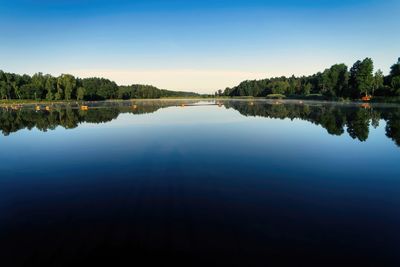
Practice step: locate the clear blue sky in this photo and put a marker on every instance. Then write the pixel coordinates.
(195, 45)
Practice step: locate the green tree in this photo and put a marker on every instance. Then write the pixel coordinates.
(394, 78)
(38, 83)
(395, 69)
(396, 85)
(80, 93)
(378, 81)
(335, 80)
(280, 87)
(306, 89)
(294, 85)
(362, 78)
(3, 85)
(3, 90)
(68, 83)
(50, 87)
(59, 95)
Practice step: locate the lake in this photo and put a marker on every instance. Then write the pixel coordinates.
(244, 182)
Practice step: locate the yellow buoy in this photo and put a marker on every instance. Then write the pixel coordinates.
(47, 108)
(37, 108)
(84, 107)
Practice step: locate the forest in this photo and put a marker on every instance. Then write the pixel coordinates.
(337, 81)
(67, 87)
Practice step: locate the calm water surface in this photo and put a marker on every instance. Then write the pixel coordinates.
(246, 183)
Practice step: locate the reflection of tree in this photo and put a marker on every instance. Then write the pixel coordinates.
(393, 130)
(334, 118)
(329, 117)
(70, 116)
(358, 124)
(393, 126)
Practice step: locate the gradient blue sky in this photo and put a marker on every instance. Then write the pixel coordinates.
(195, 45)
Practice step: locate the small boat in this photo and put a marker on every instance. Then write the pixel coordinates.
(366, 98)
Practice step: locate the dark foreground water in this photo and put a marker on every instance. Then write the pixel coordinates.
(240, 183)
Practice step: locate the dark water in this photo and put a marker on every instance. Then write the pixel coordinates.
(241, 183)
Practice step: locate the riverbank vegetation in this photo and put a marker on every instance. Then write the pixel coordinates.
(67, 87)
(336, 83)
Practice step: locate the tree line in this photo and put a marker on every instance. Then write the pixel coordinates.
(335, 82)
(67, 87)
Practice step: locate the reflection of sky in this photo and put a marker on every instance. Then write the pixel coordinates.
(208, 134)
(199, 173)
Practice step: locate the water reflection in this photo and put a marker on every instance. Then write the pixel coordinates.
(356, 119)
(69, 116)
(230, 181)
(337, 119)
